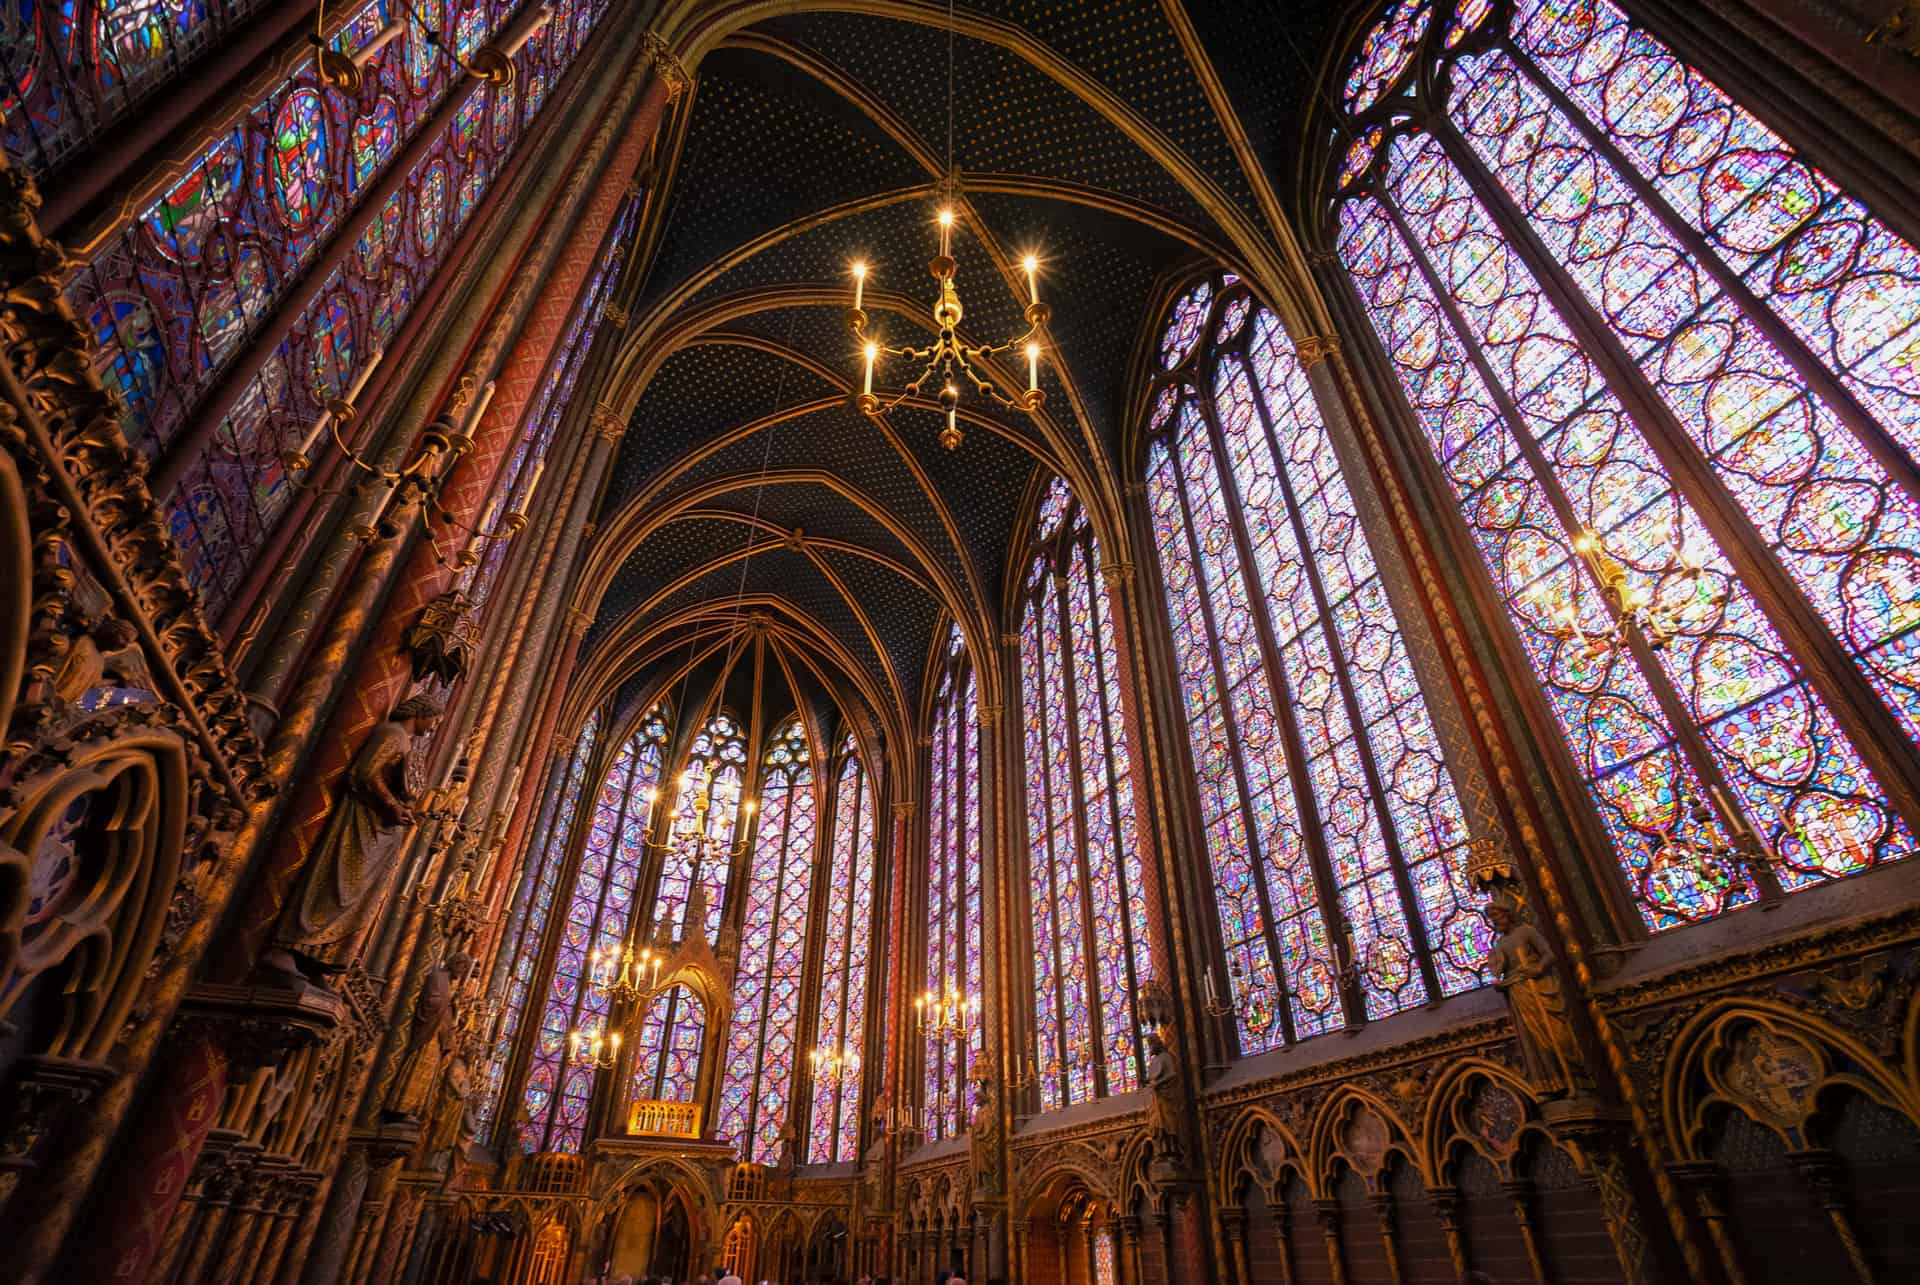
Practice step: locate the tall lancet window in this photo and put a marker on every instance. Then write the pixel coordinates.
(1088, 906)
(1650, 344)
(1331, 822)
(533, 902)
(954, 927)
(558, 1090)
(756, 1094)
(847, 922)
(707, 806)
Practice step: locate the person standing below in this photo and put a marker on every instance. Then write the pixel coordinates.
(726, 1277)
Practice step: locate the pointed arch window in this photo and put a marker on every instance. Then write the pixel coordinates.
(1628, 316)
(557, 1090)
(1087, 901)
(666, 1053)
(1332, 826)
(533, 902)
(847, 922)
(708, 807)
(954, 925)
(757, 1091)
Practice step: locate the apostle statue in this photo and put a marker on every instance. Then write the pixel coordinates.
(454, 1123)
(419, 1065)
(1164, 1109)
(983, 1136)
(324, 924)
(1523, 967)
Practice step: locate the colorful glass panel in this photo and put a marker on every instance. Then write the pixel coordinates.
(666, 1053)
(267, 195)
(533, 906)
(1598, 273)
(558, 1090)
(756, 1090)
(1088, 902)
(953, 881)
(705, 811)
(840, 1030)
(1183, 328)
(1387, 52)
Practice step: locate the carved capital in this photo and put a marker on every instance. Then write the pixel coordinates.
(616, 316)
(903, 810)
(608, 424)
(989, 716)
(1315, 349)
(665, 63)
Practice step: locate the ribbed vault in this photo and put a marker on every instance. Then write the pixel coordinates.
(1100, 140)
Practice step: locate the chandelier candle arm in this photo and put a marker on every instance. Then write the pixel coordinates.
(340, 410)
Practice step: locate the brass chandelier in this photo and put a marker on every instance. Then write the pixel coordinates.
(947, 357)
(947, 360)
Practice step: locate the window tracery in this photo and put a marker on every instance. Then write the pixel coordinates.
(1087, 900)
(558, 1091)
(1332, 826)
(847, 922)
(954, 923)
(756, 1092)
(715, 771)
(1626, 313)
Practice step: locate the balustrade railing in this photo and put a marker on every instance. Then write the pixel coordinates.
(655, 1118)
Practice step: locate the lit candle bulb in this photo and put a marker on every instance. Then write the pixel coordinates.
(1033, 366)
(946, 233)
(859, 282)
(1032, 265)
(616, 1044)
(533, 482)
(873, 351)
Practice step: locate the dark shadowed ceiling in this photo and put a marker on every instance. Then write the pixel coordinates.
(1125, 142)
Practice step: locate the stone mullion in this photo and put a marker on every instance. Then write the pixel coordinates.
(219, 401)
(558, 267)
(546, 949)
(1077, 801)
(1255, 840)
(1055, 792)
(1343, 678)
(1312, 836)
(1860, 130)
(1889, 454)
(1101, 599)
(1826, 666)
(531, 665)
(1688, 738)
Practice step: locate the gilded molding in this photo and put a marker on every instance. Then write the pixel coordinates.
(607, 423)
(654, 48)
(1314, 349)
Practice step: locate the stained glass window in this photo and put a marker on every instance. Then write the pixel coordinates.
(1333, 830)
(954, 925)
(557, 1090)
(705, 812)
(840, 1030)
(533, 904)
(200, 274)
(666, 1052)
(756, 1092)
(1087, 900)
(1622, 309)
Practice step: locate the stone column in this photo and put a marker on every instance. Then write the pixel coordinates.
(1233, 1225)
(1126, 1245)
(554, 269)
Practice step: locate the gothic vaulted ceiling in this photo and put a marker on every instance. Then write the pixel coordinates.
(1124, 142)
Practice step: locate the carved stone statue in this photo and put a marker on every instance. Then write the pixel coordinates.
(323, 926)
(454, 1124)
(1524, 971)
(413, 1077)
(983, 1136)
(1164, 1109)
